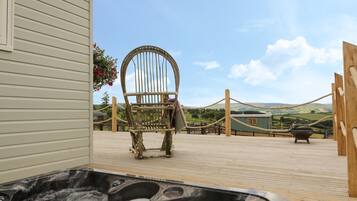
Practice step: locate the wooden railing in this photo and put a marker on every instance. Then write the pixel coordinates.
(114, 119)
(339, 101)
(345, 109)
(227, 118)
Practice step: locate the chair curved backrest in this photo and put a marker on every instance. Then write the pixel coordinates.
(144, 59)
(145, 80)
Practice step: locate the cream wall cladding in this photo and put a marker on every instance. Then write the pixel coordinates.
(46, 88)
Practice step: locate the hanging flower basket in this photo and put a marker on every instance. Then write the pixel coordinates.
(104, 69)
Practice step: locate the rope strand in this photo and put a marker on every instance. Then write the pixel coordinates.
(100, 122)
(279, 130)
(282, 107)
(205, 126)
(120, 106)
(121, 120)
(322, 119)
(102, 108)
(207, 106)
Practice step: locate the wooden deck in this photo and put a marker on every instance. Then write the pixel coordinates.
(306, 172)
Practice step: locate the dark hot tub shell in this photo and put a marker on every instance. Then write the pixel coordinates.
(94, 185)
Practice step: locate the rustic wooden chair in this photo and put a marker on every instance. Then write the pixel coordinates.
(150, 99)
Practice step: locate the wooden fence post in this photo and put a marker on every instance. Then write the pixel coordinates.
(227, 112)
(334, 122)
(340, 106)
(114, 114)
(350, 68)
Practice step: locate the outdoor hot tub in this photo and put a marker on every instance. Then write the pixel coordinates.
(96, 185)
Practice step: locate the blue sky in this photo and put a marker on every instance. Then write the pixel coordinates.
(263, 51)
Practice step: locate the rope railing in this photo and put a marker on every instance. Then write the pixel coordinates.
(100, 122)
(353, 72)
(236, 120)
(279, 130)
(281, 107)
(207, 106)
(121, 120)
(320, 120)
(120, 106)
(108, 106)
(101, 109)
(205, 126)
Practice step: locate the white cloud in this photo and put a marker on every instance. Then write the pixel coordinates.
(208, 65)
(282, 56)
(254, 73)
(298, 52)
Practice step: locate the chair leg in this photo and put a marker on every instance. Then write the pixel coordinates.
(163, 145)
(167, 143)
(133, 140)
(139, 146)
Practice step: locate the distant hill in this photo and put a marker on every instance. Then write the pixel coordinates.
(317, 107)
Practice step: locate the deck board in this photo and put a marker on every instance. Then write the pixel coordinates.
(306, 172)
